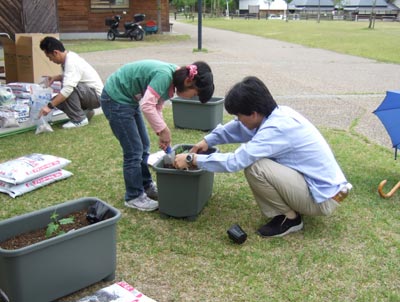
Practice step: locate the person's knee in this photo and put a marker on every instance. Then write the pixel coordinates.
(260, 168)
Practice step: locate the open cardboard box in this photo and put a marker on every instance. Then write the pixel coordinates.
(32, 63)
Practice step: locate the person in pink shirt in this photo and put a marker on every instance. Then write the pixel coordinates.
(138, 88)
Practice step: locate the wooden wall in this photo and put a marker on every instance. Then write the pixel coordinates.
(76, 15)
(28, 16)
(66, 16)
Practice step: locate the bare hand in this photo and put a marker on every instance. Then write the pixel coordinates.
(201, 146)
(164, 138)
(44, 111)
(180, 161)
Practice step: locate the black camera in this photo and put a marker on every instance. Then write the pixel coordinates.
(236, 234)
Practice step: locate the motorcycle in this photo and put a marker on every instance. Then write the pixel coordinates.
(133, 30)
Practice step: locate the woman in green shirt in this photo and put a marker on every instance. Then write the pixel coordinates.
(142, 87)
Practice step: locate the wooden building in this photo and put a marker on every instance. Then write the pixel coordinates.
(75, 16)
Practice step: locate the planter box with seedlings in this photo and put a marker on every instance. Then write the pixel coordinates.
(79, 250)
(183, 193)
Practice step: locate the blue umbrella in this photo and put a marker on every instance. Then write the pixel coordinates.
(389, 114)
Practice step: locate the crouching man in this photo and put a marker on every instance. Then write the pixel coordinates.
(288, 165)
(81, 85)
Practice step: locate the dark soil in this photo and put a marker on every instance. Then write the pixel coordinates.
(32, 237)
(169, 166)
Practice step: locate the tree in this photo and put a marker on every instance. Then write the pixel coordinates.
(372, 16)
(287, 9)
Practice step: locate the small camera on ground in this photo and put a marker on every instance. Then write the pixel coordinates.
(236, 234)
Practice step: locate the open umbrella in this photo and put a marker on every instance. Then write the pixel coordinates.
(389, 114)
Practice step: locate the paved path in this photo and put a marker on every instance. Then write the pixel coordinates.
(331, 89)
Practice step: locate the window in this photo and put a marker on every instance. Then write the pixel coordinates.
(109, 4)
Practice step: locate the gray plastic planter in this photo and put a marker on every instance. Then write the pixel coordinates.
(192, 114)
(183, 193)
(60, 265)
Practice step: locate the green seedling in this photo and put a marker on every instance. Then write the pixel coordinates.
(180, 150)
(54, 227)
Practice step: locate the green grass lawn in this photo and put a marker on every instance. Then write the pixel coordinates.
(353, 255)
(80, 46)
(354, 38)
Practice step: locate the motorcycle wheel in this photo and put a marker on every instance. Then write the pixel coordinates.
(110, 36)
(139, 36)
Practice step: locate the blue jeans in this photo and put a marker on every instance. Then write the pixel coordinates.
(127, 124)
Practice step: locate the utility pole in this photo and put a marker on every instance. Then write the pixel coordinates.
(199, 24)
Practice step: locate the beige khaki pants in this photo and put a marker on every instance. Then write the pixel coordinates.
(278, 189)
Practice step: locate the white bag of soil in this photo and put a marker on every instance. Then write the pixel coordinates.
(17, 190)
(28, 167)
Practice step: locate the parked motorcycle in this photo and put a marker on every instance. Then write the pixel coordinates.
(133, 30)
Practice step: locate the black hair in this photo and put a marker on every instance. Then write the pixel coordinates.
(203, 80)
(50, 44)
(248, 96)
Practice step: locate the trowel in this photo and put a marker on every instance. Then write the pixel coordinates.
(169, 157)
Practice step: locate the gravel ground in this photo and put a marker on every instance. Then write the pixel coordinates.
(332, 90)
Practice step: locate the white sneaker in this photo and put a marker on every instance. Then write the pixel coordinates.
(72, 124)
(142, 203)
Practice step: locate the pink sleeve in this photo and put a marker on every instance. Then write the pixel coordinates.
(151, 106)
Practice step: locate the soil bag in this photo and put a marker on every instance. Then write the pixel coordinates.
(20, 189)
(28, 167)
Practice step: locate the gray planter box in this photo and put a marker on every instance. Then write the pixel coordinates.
(183, 193)
(192, 114)
(60, 265)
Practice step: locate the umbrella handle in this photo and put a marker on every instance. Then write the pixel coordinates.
(391, 192)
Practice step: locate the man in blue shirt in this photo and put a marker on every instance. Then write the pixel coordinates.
(288, 164)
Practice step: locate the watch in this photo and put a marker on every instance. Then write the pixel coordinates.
(189, 159)
(50, 105)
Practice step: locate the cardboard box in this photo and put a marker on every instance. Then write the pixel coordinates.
(10, 59)
(32, 63)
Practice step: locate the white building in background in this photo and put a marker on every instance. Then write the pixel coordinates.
(266, 7)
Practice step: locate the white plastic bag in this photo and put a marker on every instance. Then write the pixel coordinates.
(7, 97)
(8, 118)
(40, 98)
(43, 126)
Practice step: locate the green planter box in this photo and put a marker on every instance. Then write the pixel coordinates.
(192, 114)
(183, 193)
(60, 265)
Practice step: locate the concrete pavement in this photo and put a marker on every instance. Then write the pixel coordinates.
(332, 90)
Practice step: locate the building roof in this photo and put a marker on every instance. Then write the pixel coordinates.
(363, 3)
(306, 3)
(311, 5)
(368, 5)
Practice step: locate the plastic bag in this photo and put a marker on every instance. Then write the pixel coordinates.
(33, 184)
(28, 167)
(8, 119)
(7, 97)
(98, 212)
(43, 126)
(40, 98)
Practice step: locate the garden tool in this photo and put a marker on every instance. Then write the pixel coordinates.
(169, 157)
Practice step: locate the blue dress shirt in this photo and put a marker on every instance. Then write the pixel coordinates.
(286, 137)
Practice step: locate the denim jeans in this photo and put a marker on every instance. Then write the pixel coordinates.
(127, 124)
